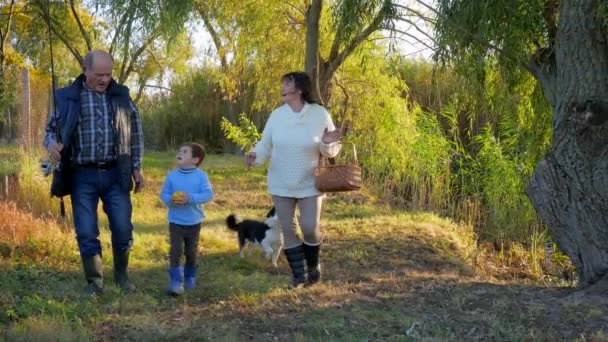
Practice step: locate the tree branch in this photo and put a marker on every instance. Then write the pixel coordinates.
(4, 35)
(15, 12)
(416, 38)
(542, 66)
(430, 8)
(155, 60)
(416, 13)
(414, 25)
(215, 37)
(140, 91)
(335, 63)
(335, 48)
(84, 33)
(299, 10)
(125, 50)
(346, 99)
(550, 16)
(293, 21)
(137, 53)
(121, 23)
(64, 40)
(159, 87)
(67, 44)
(469, 34)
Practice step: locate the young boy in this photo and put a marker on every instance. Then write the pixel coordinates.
(186, 189)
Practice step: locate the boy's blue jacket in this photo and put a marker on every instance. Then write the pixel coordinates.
(193, 182)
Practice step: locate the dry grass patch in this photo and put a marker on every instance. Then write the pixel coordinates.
(20, 231)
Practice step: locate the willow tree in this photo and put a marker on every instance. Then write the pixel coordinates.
(7, 12)
(319, 34)
(564, 45)
(352, 23)
(134, 32)
(252, 48)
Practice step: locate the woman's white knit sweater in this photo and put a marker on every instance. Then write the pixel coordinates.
(292, 141)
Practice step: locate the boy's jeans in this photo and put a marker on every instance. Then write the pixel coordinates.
(88, 186)
(184, 241)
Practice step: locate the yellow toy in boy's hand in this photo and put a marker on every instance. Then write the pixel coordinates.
(179, 197)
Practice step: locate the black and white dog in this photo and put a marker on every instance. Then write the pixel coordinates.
(267, 234)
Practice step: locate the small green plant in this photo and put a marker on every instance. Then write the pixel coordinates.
(245, 135)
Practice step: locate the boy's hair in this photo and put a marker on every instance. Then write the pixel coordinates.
(198, 151)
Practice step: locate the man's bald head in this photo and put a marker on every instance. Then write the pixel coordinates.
(97, 67)
(95, 55)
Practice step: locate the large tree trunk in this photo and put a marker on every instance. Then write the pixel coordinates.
(322, 70)
(569, 188)
(324, 78)
(311, 59)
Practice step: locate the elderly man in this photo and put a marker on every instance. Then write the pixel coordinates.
(97, 128)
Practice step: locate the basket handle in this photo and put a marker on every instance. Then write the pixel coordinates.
(332, 160)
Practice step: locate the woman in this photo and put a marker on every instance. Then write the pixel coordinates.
(294, 136)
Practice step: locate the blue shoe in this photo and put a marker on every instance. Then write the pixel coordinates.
(190, 277)
(176, 286)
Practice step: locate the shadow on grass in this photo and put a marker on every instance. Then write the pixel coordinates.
(32, 293)
(30, 290)
(412, 309)
(381, 289)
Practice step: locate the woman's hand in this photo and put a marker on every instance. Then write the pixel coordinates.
(250, 159)
(331, 137)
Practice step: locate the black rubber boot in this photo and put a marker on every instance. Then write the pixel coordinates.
(295, 258)
(311, 253)
(93, 273)
(121, 275)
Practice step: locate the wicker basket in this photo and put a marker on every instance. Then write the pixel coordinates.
(330, 177)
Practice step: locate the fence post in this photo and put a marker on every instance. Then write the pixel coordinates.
(27, 115)
(10, 124)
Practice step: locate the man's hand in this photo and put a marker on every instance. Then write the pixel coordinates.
(138, 177)
(55, 151)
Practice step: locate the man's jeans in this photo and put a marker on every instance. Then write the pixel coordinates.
(88, 186)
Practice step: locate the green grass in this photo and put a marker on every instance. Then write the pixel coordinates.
(9, 159)
(388, 275)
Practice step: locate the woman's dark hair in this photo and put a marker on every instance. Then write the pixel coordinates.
(302, 82)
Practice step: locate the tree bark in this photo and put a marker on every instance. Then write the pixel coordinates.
(140, 91)
(4, 33)
(313, 16)
(9, 124)
(83, 31)
(569, 188)
(133, 58)
(44, 10)
(322, 70)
